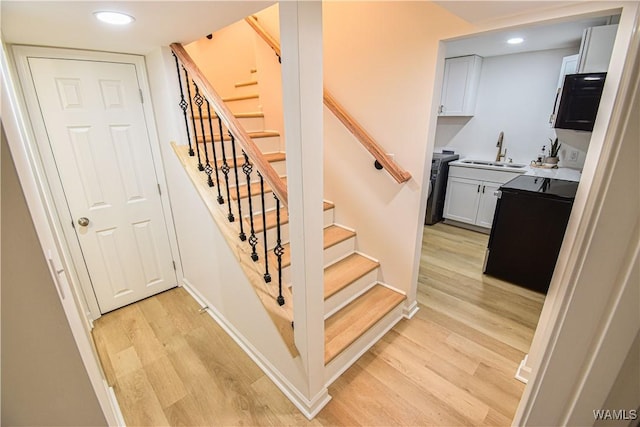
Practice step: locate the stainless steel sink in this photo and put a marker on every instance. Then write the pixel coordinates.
(493, 164)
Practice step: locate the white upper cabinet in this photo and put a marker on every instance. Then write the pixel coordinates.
(460, 86)
(569, 66)
(596, 48)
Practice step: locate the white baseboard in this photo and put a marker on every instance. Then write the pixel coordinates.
(114, 405)
(524, 372)
(410, 309)
(308, 407)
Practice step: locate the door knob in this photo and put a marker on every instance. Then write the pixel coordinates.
(83, 222)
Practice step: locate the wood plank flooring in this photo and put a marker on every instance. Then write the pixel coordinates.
(452, 364)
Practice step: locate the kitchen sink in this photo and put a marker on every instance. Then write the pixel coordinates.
(493, 164)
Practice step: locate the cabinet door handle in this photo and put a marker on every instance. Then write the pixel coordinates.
(483, 187)
(478, 190)
(441, 109)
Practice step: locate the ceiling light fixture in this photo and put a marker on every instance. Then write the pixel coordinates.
(515, 40)
(114, 18)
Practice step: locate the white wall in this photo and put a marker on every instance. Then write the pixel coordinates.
(380, 64)
(515, 95)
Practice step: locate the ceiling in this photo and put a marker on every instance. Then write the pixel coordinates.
(538, 37)
(158, 23)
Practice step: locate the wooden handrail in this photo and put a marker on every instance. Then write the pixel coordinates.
(273, 43)
(378, 153)
(258, 159)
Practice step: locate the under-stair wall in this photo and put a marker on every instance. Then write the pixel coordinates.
(209, 267)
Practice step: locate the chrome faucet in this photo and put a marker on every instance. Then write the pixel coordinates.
(501, 154)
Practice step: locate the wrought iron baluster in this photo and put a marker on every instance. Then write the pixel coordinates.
(199, 100)
(242, 236)
(213, 149)
(279, 251)
(247, 168)
(267, 276)
(193, 119)
(225, 171)
(183, 104)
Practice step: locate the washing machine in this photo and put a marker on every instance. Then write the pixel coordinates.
(438, 186)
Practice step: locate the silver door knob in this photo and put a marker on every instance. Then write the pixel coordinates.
(83, 222)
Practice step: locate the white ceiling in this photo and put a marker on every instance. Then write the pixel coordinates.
(158, 23)
(538, 37)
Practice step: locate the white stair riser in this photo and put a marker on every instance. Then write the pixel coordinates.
(246, 90)
(266, 145)
(349, 356)
(339, 251)
(284, 230)
(345, 295)
(243, 105)
(250, 124)
(279, 167)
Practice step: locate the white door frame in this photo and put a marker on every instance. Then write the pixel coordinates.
(45, 163)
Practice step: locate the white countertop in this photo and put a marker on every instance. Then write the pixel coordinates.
(566, 174)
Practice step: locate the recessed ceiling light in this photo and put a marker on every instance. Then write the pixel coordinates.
(515, 40)
(114, 18)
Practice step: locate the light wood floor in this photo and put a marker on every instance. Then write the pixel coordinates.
(452, 364)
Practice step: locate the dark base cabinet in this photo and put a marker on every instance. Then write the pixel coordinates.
(528, 229)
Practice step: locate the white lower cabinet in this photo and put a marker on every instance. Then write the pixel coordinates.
(470, 199)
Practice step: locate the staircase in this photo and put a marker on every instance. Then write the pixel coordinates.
(358, 308)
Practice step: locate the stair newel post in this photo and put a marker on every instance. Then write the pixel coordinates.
(267, 276)
(279, 251)
(213, 150)
(225, 170)
(199, 100)
(193, 119)
(247, 168)
(242, 236)
(183, 104)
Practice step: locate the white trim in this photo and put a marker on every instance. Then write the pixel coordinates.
(524, 371)
(410, 310)
(43, 161)
(18, 137)
(115, 405)
(309, 408)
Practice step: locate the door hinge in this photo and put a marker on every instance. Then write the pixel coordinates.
(73, 224)
(174, 265)
(141, 97)
(159, 190)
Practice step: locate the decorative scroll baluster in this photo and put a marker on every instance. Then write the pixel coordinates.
(183, 104)
(242, 236)
(193, 120)
(267, 276)
(199, 100)
(213, 149)
(253, 240)
(225, 171)
(279, 251)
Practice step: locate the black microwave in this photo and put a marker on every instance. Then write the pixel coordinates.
(579, 101)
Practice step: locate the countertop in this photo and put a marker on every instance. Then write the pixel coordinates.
(566, 174)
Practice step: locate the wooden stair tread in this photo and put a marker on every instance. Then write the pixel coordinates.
(247, 115)
(271, 217)
(276, 156)
(241, 97)
(350, 323)
(333, 235)
(252, 135)
(255, 189)
(346, 271)
(249, 83)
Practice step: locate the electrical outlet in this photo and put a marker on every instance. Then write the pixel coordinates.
(573, 156)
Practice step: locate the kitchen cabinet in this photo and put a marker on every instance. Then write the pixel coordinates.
(460, 86)
(569, 66)
(470, 195)
(471, 201)
(596, 48)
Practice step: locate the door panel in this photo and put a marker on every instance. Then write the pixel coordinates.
(95, 123)
(461, 202)
(487, 206)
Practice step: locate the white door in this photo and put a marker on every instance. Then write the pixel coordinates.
(94, 119)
